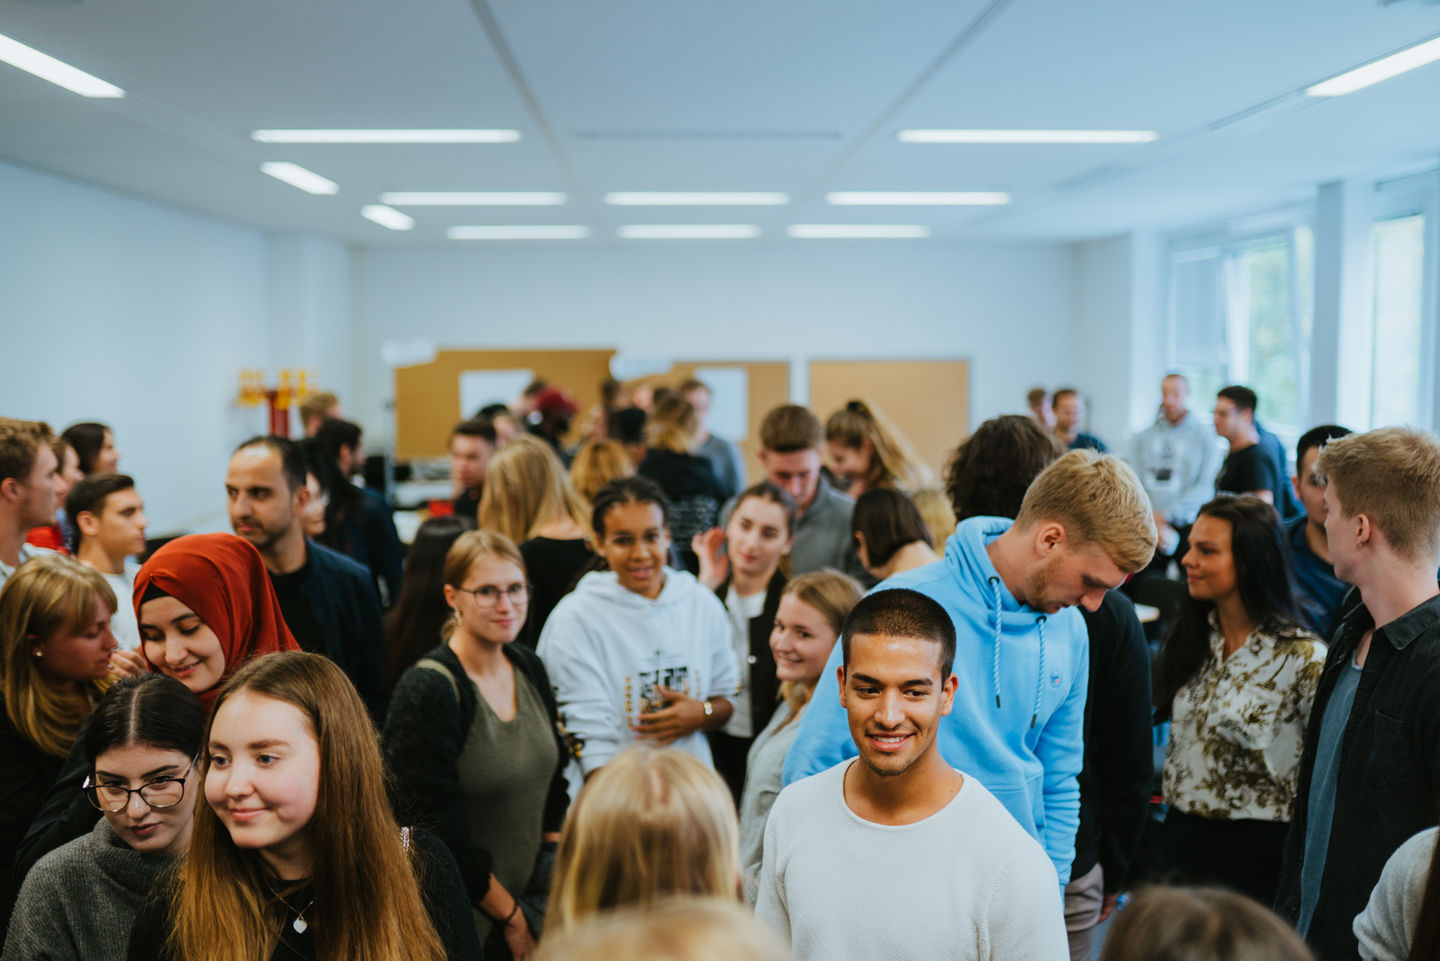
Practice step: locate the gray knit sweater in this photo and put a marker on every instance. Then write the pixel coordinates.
(80, 900)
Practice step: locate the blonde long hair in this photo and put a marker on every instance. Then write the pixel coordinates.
(367, 905)
(894, 462)
(675, 426)
(596, 464)
(830, 594)
(47, 596)
(526, 488)
(649, 824)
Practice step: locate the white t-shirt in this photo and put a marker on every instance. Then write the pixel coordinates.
(967, 882)
(741, 610)
(123, 625)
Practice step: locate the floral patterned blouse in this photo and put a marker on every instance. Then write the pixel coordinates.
(1238, 728)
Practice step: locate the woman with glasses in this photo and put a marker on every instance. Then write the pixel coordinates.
(475, 749)
(141, 747)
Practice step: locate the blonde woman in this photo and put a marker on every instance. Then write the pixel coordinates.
(688, 480)
(807, 624)
(650, 824)
(295, 854)
(474, 746)
(869, 451)
(56, 652)
(529, 499)
(680, 929)
(596, 464)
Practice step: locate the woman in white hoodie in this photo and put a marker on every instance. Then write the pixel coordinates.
(638, 651)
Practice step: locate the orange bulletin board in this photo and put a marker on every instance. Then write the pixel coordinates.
(929, 400)
(427, 396)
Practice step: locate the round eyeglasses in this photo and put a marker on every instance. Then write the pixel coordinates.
(162, 792)
(489, 595)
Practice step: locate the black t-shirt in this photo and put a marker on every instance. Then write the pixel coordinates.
(290, 592)
(552, 566)
(1248, 470)
(466, 503)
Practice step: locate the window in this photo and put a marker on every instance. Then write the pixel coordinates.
(1399, 387)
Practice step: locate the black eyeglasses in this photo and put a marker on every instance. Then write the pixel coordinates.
(489, 595)
(163, 792)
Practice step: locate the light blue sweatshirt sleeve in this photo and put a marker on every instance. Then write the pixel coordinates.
(1061, 751)
(823, 739)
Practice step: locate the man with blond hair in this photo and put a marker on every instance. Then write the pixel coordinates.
(29, 486)
(1023, 655)
(1370, 773)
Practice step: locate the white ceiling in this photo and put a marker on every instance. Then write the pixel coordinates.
(799, 96)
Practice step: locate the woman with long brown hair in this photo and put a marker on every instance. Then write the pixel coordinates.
(869, 451)
(295, 854)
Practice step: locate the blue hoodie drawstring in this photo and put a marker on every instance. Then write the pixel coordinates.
(994, 583)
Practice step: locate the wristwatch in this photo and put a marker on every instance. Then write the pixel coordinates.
(709, 709)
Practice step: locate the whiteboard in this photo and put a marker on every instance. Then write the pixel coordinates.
(479, 388)
(729, 401)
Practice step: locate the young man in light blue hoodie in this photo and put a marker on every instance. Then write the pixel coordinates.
(1018, 721)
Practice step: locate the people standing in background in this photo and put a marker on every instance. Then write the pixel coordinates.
(413, 625)
(1318, 592)
(1247, 468)
(688, 480)
(59, 536)
(1236, 680)
(94, 444)
(1068, 406)
(358, 522)
(1038, 400)
(1177, 459)
(316, 408)
(742, 564)
(627, 428)
(28, 485)
(596, 464)
(109, 515)
(790, 451)
(328, 599)
(553, 410)
(505, 422)
(472, 443)
(528, 498)
(890, 535)
(1369, 774)
(869, 451)
(1401, 921)
(804, 629)
(723, 455)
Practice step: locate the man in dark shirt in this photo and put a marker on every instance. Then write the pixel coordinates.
(1247, 469)
(1370, 771)
(1069, 409)
(328, 600)
(1317, 590)
(472, 444)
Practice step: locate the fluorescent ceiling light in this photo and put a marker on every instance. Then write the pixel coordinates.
(387, 217)
(1026, 136)
(471, 198)
(385, 136)
(689, 231)
(57, 72)
(537, 232)
(915, 198)
(680, 198)
(858, 231)
(297, 176)
(1378, 70)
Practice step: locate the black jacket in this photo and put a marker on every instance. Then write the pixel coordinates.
(341, 595)
(1388, 786)
(1119, 749)
(764, 685)
(26, 773)
(424, 734)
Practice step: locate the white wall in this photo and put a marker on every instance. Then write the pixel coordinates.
(140, 316)
(1008, 308)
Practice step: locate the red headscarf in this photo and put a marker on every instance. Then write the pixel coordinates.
(221, 578)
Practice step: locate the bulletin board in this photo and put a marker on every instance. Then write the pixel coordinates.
(929, 400)
(767, 387)
(427, 396)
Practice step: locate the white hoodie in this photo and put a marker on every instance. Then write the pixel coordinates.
(606, 648)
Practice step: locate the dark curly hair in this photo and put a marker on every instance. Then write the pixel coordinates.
(990, 471)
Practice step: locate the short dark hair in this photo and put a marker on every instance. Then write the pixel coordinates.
(88, 439)
(627, 490)
(334, 434)
(1242, 397)
(789, 428)
(990, 471)
(292, 459)
(901, 612)
(1060, 394)
(1318, 437)
(889, 521)
(90, 493)
(491, 411)
(481, 427)
(153, 710)
(626, 425)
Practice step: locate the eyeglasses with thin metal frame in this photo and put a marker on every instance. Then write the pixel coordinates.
(160, 793)
(489, 595)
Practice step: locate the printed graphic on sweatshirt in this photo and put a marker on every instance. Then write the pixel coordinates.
(663, 670)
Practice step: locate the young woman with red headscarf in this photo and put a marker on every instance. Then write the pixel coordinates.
(205, 607)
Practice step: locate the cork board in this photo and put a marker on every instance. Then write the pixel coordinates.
(767, 386)
(427, 396)
(929, 400)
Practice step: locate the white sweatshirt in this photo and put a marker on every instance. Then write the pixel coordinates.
(967, 882)
(606, 648)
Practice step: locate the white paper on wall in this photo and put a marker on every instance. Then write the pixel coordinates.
(481, 387)
(729, 401)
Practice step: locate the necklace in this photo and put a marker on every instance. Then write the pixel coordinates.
(299, 924)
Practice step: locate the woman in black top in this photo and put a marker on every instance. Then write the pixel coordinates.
(687, 479)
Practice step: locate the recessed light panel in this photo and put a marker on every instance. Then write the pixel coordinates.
(297, 176)
(58, 72)
(387, 217)
(1378, 70)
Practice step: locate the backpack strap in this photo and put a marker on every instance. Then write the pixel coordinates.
(466, 704)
